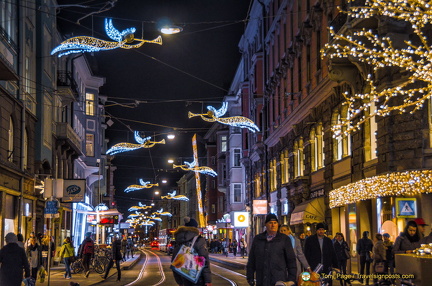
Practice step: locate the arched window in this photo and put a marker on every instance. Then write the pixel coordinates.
(298, 158)
(10, 140)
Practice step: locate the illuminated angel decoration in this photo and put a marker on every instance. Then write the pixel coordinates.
(136, 214)
(144, 185)
(154, 217)
(124, 39)
(142, 143)
(215, 115)
(148, 223)
(162, 213)
(193, 167)
(172, 196)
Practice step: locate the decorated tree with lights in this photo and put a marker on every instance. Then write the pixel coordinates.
(409, 58)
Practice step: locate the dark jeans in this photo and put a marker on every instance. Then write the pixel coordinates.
(389, 266)
(34, 271)
(110, 265)
(242, 251)
(86, 261)
(67, 266)
(342, 266)
(364, 262)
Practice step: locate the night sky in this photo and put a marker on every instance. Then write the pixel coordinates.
(189, 71)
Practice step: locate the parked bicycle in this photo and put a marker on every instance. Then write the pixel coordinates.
(98, 264)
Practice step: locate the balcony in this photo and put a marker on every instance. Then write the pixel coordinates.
(65, 132)
(7, 71)
(67, 88)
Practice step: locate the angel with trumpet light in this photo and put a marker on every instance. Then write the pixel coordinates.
(142, 143)
(193, 167)
(214, 114)
(144, 185)
(172, 196)
(123, 40)
(140, 206)
(162, 213)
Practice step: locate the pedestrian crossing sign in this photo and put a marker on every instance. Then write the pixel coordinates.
(406, 207)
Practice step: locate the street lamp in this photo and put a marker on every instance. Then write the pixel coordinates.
(169, 30)
(156, 192)
(170, 161)
(164, 181)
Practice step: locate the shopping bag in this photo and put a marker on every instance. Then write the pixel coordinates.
(188, 263)
(29, 281)
(41, 274)
(379, 267)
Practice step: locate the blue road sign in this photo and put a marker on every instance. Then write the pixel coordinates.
(51, 207)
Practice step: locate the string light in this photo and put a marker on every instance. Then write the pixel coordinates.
(143, 143)
(139, 207)
(162, 213)
(214, 114)
(122, 40)
(412, 58)
(154, 217)
(407, 183)
(172, 196)
(144, 185)
(198, 169)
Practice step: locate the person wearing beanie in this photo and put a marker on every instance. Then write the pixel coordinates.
(13, 260)
(319, 249)
(86, 252)
(271, 257)
(184, 236)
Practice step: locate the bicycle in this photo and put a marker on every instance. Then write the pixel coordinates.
(96, 264)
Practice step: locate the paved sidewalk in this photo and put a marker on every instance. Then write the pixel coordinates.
(237, 262)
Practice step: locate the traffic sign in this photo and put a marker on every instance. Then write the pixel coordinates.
(51, 209)
(406, 207)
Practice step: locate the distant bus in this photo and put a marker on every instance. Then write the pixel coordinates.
(165, 236)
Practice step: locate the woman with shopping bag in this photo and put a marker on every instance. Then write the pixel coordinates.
(67, 253)
(190, 259)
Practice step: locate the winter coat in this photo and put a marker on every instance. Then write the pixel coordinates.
(81, 248)
(312, 251)
(364, 246)
(34, 254)
(13, 260)
(379, 251)
(116, 250)
(301, 261)
(271, 261)
(389, 250)
(402, 244)
(123, 244)
(340, 250)
(67, 250)
(183, 235)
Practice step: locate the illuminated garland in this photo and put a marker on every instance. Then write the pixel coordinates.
(172, 196)
(122, 40)
(408, 183)
(139, 207)
(154, 217)
(162, 213)
(193, 167)
(413, 60)
(143, 143)
(144, 185)
(214, 114)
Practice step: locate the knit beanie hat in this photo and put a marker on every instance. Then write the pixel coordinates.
(11, 238)
(190, 222)
(271, 217)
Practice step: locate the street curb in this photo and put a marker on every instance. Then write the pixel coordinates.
(132, 263)
(235, 265)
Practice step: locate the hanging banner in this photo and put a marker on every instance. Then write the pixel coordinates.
(260, 207)
(73, 191)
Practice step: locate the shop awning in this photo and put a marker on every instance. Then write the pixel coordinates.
(311, 211)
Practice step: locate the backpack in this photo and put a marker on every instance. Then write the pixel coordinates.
(88, 247)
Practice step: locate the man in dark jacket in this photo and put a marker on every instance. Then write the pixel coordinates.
(271, 257)
(364, 248)
(13, 260)
(116, 258)
(86, 252)
(185, 235)
(319, 249)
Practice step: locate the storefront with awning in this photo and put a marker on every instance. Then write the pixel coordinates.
(309, 212)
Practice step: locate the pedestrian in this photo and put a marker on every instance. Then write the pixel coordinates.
(243, 246)
(225, 245)
(20, 238)
(379, 256)
(342, 251)
(408, 240)
(319, 249)
(130, 247)
(13, 260)
(426, 239)
(27, 243)
(34, 255)
(124, 247)
(86, 252)
(234, 246)
(184, 235)
(45, 249)
(301, 261)
(115, 258)
(421, 225)
(364, 249)
(389, 264)
(271, 257)
(67, 252)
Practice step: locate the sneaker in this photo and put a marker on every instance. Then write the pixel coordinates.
(87, 274)
(68, 277)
